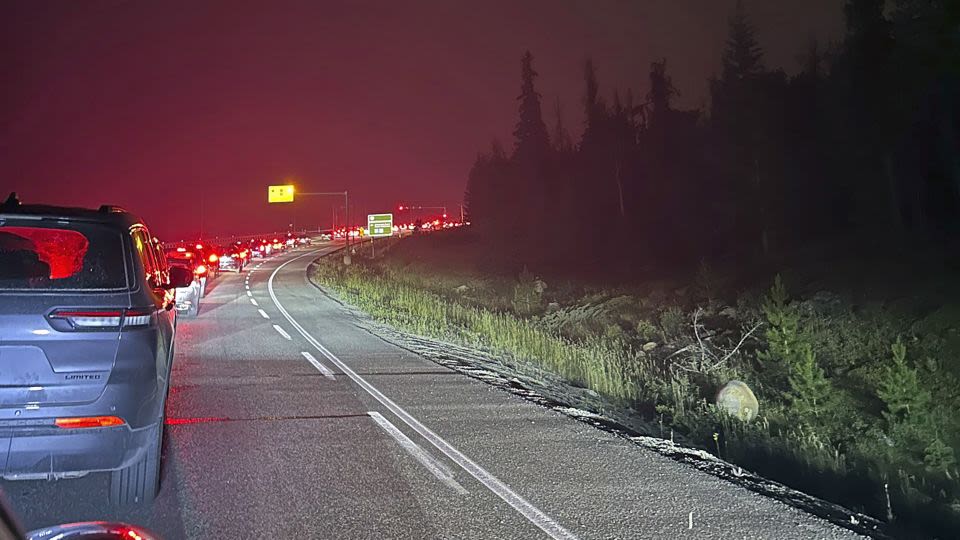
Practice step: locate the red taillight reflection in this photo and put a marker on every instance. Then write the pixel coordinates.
(195, 420)
(88, 422)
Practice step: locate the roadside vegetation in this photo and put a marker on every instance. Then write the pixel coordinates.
(859, 401)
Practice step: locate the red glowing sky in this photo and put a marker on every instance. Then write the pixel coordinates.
(167, 107)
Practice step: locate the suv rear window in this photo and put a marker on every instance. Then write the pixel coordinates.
(83, 256)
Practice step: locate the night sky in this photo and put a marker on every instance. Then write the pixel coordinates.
(165, 106)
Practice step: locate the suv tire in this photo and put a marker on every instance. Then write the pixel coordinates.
(139, 482)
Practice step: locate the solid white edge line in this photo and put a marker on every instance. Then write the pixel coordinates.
(263, 314)
(320, 367)
(281, 331)
(254, 301)
(521, 505)
(441, 471)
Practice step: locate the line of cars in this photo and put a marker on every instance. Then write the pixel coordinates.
(207, 259)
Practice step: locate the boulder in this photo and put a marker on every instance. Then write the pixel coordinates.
(649, 346)
(738, 400)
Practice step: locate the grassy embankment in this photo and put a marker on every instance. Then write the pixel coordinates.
(855, 361)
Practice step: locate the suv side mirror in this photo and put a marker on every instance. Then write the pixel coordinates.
(180, 277)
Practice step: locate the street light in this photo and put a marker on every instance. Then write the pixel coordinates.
(285, 193)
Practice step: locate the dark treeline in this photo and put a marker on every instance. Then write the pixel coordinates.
(864, 139)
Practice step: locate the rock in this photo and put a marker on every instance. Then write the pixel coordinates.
(738, 400)
(729, 312)
(649, 346)
(553, 307)
(463, 289)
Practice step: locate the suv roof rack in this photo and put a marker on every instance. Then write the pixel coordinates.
(111, 209)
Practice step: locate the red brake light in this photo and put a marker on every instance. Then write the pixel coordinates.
(199, 246)
(213, 258)
(181, 249)
(200, 270)
(88, 422)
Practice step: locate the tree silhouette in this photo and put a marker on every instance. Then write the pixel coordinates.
(532, 141)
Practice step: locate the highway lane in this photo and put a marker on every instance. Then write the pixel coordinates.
(286, 418)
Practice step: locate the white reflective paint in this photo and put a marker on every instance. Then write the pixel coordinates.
(249, 293)
(531, 513)
(254, 302)
(438, 469)
(263, 314)
(320, 367)
(281, 331)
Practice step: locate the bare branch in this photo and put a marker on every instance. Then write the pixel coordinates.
(744, 338)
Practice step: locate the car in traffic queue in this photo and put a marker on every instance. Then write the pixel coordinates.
(233, 257)
(209, 254)
(189, 296)
(86, 341)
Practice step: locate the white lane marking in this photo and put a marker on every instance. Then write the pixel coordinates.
(441, 471)
(281, 331)
(320, 367)
(527, 510)
(254, 301)
(249, 293)
(263, 314)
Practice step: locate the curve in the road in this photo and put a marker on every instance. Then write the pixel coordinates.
(495, 485)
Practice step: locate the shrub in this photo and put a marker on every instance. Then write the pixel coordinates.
(527, 294)
(672, 322)
(645, 330)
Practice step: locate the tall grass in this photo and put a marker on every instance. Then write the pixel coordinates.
(606, 365)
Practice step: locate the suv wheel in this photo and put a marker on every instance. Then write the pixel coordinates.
(139, 482)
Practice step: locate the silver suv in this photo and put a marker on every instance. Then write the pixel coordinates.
(86, 344)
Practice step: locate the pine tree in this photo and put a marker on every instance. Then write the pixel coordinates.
(743, 56)
(532, 141)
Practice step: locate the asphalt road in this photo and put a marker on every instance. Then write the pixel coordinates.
(288, 420)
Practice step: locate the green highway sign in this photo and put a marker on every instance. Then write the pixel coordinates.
(379, 225)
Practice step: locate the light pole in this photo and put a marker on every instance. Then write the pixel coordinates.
(346, 217)
(285, 194)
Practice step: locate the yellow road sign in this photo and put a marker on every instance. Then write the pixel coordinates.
(282, 193)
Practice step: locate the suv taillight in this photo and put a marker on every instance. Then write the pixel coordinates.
(200, 270)
(100, 319)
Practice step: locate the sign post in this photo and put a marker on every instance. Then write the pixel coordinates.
(379, 226)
